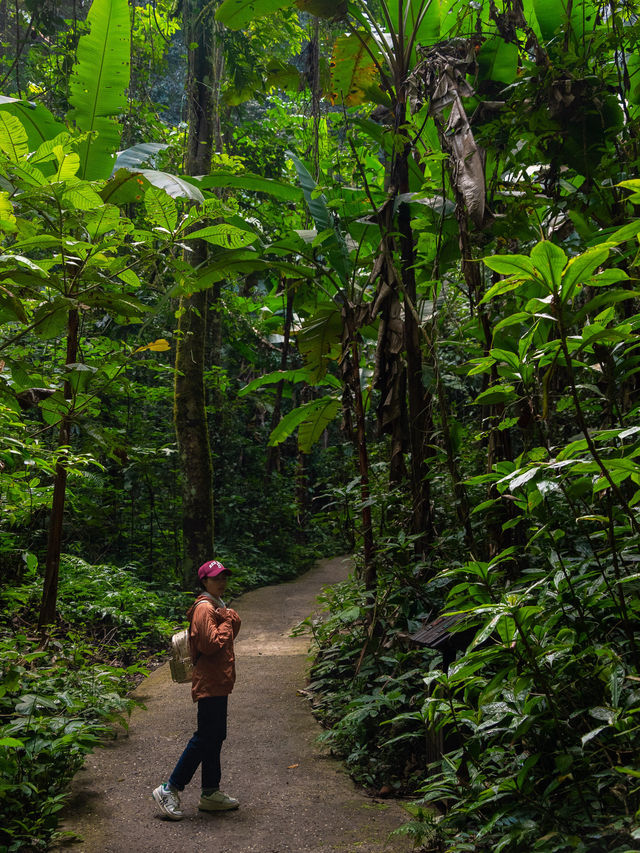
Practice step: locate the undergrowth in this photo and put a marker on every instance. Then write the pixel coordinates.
(364, 675)
(536, 717)
(60, 698)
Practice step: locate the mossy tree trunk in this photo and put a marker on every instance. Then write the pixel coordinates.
(190, 413)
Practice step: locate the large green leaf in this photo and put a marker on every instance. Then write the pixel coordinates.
(633, 70)
(236, 14)
(82, 196)
(496, 394)
(228, 236)
(498, 61)
(50, 318)
(283, 75)
(98, 85)
(13, 137)
(123, 305)
(311, 418)
(549, 260)
(49, 151)
(126, 187)
(418, 21)
(318, 336)
(106, 219)
(8, 222)
(161, 209)
(550, 16)
(531, 18)
(252, 183)
(581, 268)
(335, 246)
(300, 374)
(353, 69)
(135, 156)
(553, 17)
(518, 266)
(11, 308)
(68, 165)
(312, 427)
(39, 124)
(317, 204)
(224, 264)
(232, 263)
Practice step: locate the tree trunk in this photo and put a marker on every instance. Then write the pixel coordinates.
(54, 539)
(192, 434)
(190, 415)
(351, 371)
(419, 398)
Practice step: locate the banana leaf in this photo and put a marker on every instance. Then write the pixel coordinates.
(126, 187)
(418, 21)
(98, 85)
(236, 14)
(353, 69)
(498, 61)
(135, 156)
(554, 17)
(323, 8)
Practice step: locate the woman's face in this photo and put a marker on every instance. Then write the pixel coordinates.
(216, 586)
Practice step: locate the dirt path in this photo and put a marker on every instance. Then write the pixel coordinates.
(294, 799)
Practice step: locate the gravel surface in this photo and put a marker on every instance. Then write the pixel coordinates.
(294, 798)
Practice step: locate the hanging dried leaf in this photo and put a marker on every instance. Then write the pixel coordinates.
(440, 80)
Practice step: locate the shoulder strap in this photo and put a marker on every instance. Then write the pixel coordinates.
(199, 601)
(211, 600)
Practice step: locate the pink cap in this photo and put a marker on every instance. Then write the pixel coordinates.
(211, 569)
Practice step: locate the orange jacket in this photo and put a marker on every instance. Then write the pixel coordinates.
(212, 633)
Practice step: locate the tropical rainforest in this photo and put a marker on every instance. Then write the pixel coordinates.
(289, 279)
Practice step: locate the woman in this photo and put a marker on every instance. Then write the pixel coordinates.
(212, 632)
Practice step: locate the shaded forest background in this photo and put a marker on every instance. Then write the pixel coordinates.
(287, 279)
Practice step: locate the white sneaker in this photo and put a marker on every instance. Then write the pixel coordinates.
(168, 802)
(217, 802)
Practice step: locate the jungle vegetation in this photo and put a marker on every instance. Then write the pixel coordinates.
(287, 279)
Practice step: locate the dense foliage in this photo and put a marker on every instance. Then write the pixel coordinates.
(420, 224)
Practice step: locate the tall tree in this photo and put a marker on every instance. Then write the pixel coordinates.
(190, 413)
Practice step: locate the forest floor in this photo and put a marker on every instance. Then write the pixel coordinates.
(294, 797)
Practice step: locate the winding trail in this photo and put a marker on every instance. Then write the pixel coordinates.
(294, 798)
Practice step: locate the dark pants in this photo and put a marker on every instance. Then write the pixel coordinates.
(205, 745)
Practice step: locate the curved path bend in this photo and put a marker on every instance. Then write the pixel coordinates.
(294, 798)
